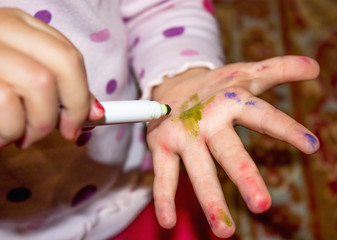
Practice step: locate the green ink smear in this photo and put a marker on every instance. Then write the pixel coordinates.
(224, 217)
(194, 98)
(192, 116)
(184, 106)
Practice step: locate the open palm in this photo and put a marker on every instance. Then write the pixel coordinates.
(206, 105)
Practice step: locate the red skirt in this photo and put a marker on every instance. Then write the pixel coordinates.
(191, 222)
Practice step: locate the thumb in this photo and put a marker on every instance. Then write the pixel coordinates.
(96, 109)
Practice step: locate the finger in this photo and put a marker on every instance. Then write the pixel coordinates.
(166, 170)
(274, 71)
(68, 66)
(227, 149)
(262, 117)
(35, 85)
(12, 123)
(22, 18)
(203, 175)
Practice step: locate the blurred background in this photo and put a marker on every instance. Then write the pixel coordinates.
(303, 188)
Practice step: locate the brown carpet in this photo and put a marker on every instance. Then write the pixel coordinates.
(303, 188)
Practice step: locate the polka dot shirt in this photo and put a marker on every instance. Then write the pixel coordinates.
(87, 189)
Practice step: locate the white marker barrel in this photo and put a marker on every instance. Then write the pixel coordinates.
(130, 112)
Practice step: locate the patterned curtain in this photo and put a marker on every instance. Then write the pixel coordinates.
(303, 188)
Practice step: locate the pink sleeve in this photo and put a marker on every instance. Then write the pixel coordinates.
(169, 36)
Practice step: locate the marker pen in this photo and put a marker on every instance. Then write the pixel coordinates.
(130, 112)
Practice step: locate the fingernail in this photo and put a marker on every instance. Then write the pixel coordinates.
(97, 111)
(100, 109)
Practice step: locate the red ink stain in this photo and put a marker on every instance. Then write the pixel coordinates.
(165, 149)
(244, 166)
(264, 67)
(235, 73)
(250, 179)
(263, 205)
(305, 59)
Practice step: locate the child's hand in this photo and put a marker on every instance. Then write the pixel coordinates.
(206, 105)
(40, 70)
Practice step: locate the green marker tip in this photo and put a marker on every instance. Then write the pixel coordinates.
(168, 109)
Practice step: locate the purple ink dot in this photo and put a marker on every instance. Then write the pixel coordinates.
(248, 200)
(18, 194)
(100, 36)
(189, 53)
(44, 16)
(126, 19)
(111, 86)
(311, 139)
(173, 32)
(83, 195)
(250, 103)
(83, 139)
(230, 95)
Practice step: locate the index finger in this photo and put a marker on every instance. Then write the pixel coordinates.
(269, 73)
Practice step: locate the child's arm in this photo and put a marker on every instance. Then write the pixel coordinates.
(40, 70)
(168, 37)
(206, 105)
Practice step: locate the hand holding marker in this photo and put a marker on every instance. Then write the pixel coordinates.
(130, 112)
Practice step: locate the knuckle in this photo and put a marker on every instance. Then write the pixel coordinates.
(72, 56)
(15, 11)
(6, 96)
(10, 16)
(41, 78)
(6, 11)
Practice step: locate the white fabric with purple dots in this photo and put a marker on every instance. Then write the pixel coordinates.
(94, 188)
